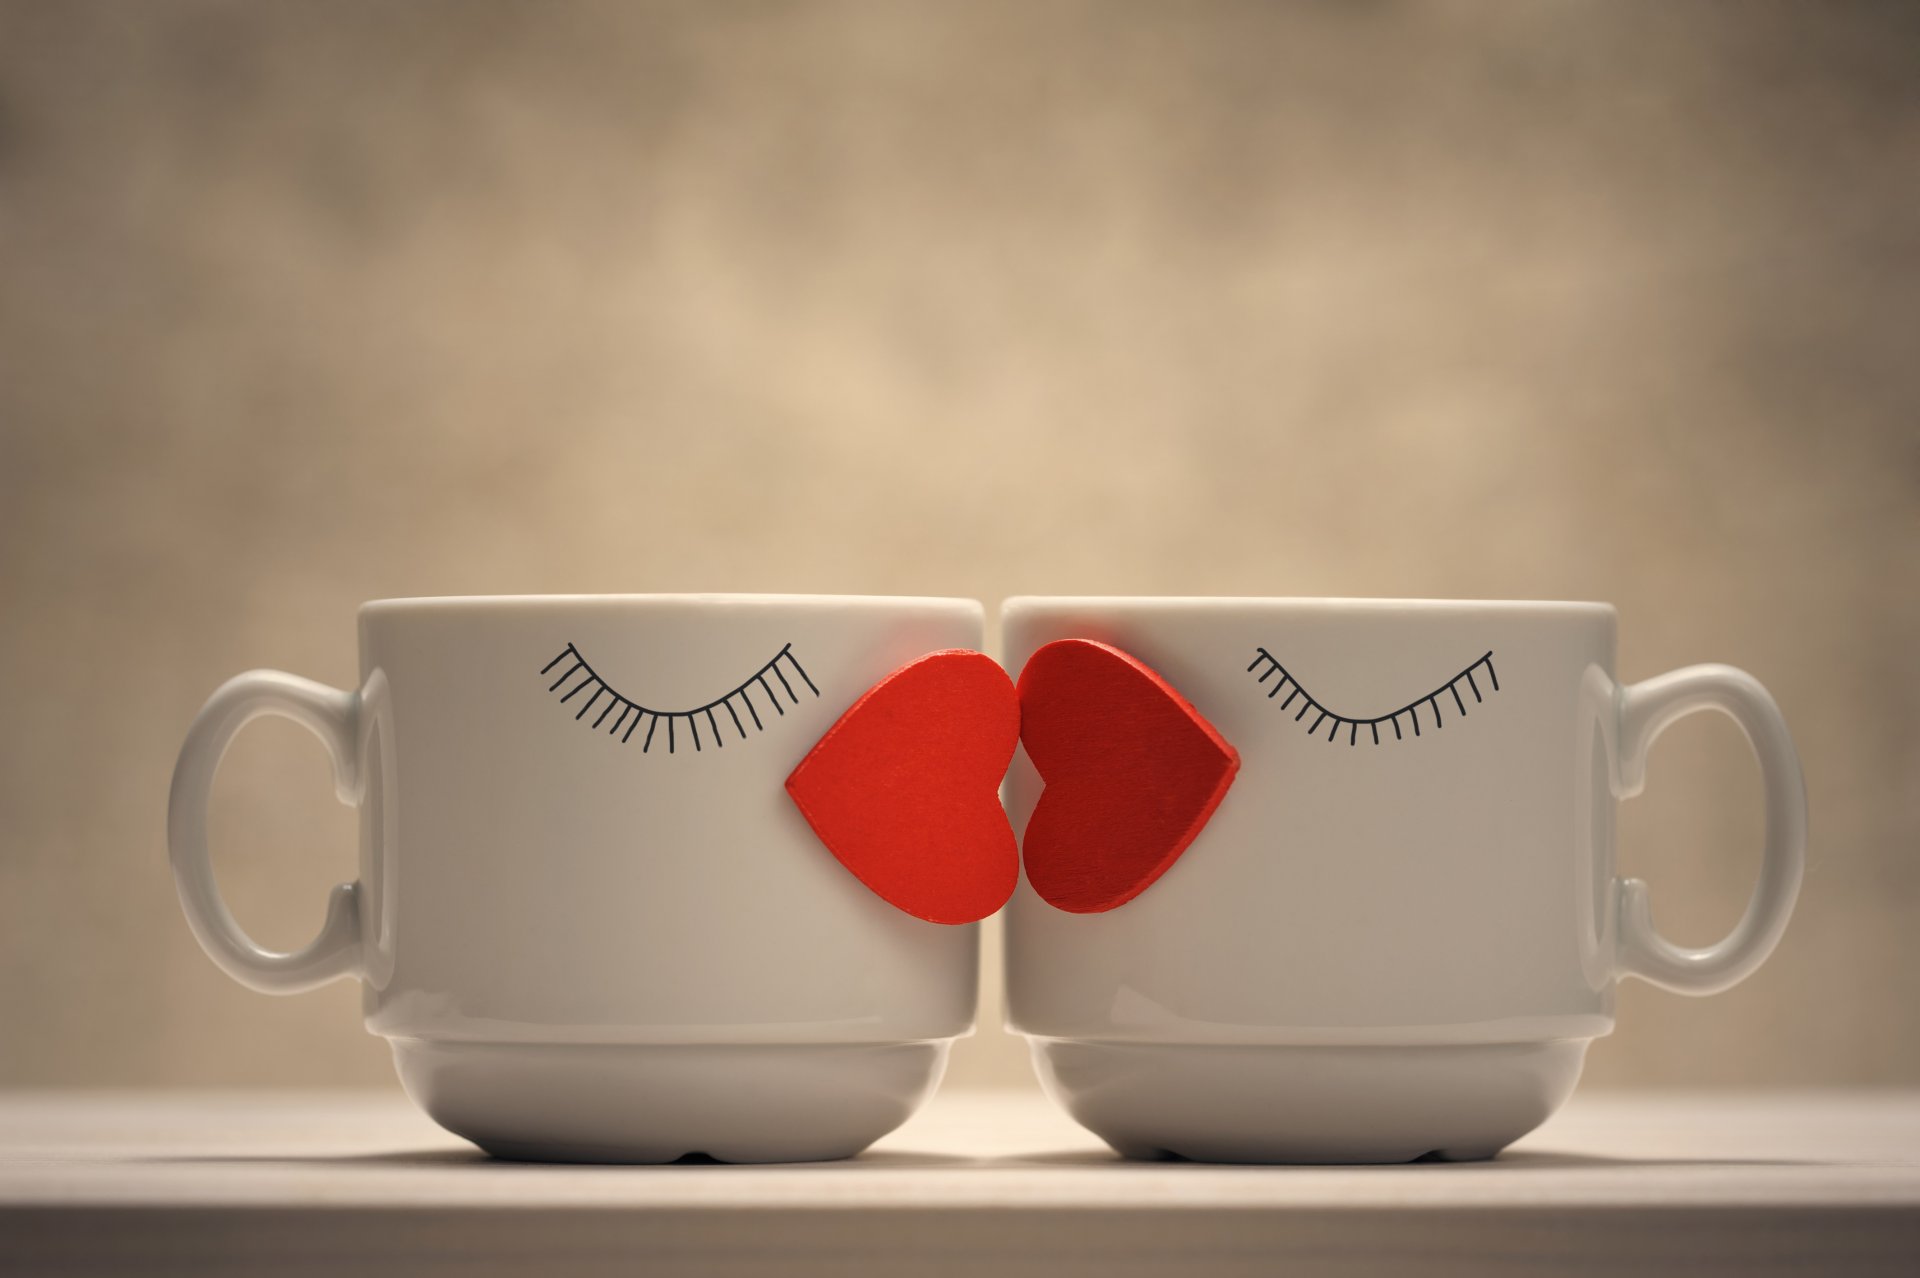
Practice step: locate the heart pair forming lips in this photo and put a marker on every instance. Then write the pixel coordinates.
(904, 788)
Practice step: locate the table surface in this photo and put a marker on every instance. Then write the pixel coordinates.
(1808, 1182)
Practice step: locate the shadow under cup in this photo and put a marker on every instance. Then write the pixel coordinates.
(1400, 929)
(589, 918)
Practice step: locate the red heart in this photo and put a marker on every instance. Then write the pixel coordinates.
(1132, 772)
(905, 788)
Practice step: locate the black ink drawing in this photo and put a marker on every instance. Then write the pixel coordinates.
(680, 723)
(1268, 666)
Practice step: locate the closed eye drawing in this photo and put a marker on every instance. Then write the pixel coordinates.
(1478, 679)
(770, 689)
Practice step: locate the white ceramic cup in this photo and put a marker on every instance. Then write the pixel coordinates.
(1401, 927)
(588, 917)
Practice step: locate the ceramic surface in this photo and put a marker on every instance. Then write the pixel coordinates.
(1417, 855)
(575, 835)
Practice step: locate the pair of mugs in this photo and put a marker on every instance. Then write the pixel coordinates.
(1308, 880)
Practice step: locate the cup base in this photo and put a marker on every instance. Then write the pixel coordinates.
(1297, 1104)
(618, 1103)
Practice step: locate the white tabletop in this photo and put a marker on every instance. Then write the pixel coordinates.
(998, 1183)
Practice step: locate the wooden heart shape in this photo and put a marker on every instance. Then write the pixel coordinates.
(905, 788)
(1132, 772)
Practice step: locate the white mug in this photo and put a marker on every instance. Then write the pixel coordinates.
(589, 918)
(1400, 928)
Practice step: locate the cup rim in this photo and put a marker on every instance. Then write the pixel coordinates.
(1310, 603)
(673, 601)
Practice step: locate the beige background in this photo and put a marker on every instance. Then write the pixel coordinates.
(302, 304)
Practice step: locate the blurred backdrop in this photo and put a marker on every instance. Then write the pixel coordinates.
(308, 303)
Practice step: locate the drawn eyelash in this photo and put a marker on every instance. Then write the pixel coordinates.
(632, 713)
(1411, 711)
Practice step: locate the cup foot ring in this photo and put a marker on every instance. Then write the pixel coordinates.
(621, 1103)
(1295, 1104)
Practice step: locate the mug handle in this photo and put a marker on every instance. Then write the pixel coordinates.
(331, 715)
(1648, 709)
